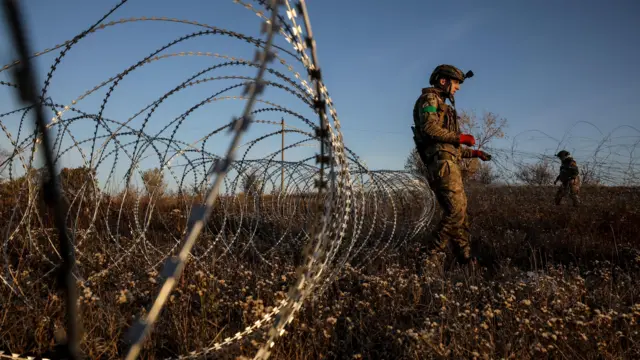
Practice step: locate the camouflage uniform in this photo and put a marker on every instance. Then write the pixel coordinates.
(437, 136)
(569, 177)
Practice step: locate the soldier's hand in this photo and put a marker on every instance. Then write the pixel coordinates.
(481, 154)
(467, 139)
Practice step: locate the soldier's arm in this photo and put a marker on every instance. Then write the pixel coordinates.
(564, 166)
(432, 127)
(563, 172)
(560, 174)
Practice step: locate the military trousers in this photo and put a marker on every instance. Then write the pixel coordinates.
(569, 187)
(445, 179)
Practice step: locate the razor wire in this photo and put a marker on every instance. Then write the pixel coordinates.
(318, 189)
(242, 208)
(607, 160)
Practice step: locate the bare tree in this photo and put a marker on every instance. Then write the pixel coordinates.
(153, 181)
(76, 180)
(251, 184)
(539, 173)
(484, 130)
(414, 165)
(484, 175)
(590, 175)
(490, 127)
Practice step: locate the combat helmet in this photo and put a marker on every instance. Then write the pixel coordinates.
(562, 153)
(448, 72)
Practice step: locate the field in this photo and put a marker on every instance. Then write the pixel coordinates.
(182, 98)
(558, 282)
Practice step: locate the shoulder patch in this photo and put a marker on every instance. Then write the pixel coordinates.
(429, 109)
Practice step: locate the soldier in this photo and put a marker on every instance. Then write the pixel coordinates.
(438, 142)
(569, 177)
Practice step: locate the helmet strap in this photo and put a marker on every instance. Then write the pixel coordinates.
(447, 91)
(449, 95)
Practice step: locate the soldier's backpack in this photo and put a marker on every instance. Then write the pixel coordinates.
(570, 167)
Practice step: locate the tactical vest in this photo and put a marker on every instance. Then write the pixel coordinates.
(447, 119)
(569, 168)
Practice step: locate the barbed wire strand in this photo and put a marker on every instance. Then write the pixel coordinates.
(174, 267)
(26, 78)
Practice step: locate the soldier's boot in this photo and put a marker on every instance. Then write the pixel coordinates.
(466, 259)
(463, 254)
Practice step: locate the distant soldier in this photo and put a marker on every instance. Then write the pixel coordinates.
(569, 177)
(438, 142)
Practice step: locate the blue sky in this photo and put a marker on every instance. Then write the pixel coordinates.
(545, 66)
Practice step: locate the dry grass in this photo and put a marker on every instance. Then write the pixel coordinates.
(560, 283)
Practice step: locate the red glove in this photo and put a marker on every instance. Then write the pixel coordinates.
(480, 154)
(467, 139)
